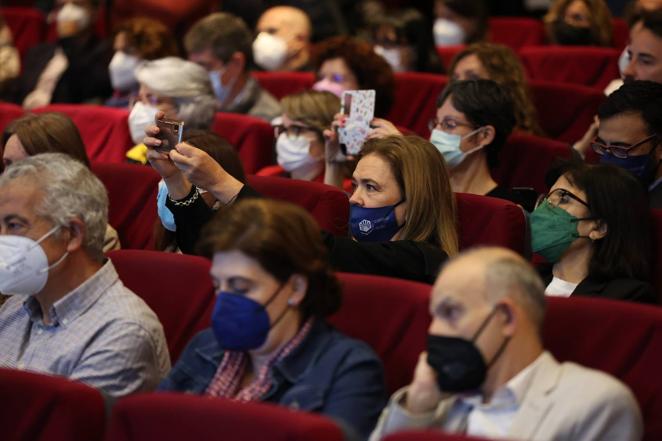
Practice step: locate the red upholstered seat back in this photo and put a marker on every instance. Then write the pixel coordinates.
(48, 408)
(252, 137)
(132, 193)
(447, 53)
(516, 32)
(105, 130)
(328, 205)
(621, 33)
(281, 84)
(170, 417)
(621, 338)
(525, 159)
(416, 100)
(584, 65)
(8, 113)
(430, 435)
(27, 25)
(391, 315)
(489, 221)
(177, 287)
(565, 111)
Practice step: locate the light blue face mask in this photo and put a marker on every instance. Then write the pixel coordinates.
(166, 216)
(449, 146)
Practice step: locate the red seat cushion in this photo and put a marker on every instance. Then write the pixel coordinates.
(281, 84)
(430, 435)
(416, 100)
(484, 220)
(516, 32)
(132, 193)
(399, 319)
(621, 338)
(583, 65)
(48, 408)
(27, 25)
(105, 130)
(8, 113)
(176, 417)
(328, 205)
(252, 137)
(177, 287)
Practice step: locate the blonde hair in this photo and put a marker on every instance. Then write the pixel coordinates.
(601, 25)
(421, 174)
(312, 108)
(504, 68)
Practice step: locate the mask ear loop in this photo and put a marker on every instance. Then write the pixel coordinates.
(470, 134)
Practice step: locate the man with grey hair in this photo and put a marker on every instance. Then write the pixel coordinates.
(69, 314)
(222, 44)
(486, 373)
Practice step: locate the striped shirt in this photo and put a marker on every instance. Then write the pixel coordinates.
(101, 333)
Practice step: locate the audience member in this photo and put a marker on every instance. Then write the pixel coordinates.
(69, 313)
(222, 44)
(10, 61)
(268, 340)
(459, 22)
(177, 87)
(486, 373)
(136, 40)
(49, 133)
(344, 63)
(74, 69)
(490, 61)
(644, 52)
(579, 23)
(585, 230)
(283, 39)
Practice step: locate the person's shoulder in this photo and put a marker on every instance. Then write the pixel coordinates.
(598, 386)
(341, 346)
(621, 288)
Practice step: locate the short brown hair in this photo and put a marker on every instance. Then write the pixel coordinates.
(312, 108)
(149, 38)
(48, 133)
(223, 34)
(285, 240)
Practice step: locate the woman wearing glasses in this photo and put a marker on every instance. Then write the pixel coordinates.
(592, 229)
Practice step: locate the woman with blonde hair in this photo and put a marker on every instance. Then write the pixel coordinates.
(579, 23)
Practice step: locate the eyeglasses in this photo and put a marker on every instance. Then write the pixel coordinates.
(293, 131)
(619, 151)
(561, 196)
(447, 124)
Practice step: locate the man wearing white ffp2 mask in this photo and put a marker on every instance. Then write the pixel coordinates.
(283, 39)
(68, 313)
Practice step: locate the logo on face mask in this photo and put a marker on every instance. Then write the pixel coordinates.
(365, 226)
(374, 224)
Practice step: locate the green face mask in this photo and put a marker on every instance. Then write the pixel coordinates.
(552, 231)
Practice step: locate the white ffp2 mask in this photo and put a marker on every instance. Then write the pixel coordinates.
(141, 116)
(269, 51)
(121, 68)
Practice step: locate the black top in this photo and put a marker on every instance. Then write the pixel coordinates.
(525, 197)
(404, 259)
(615, 289)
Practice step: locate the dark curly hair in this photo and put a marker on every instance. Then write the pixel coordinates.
(149, 38)
(371, 70)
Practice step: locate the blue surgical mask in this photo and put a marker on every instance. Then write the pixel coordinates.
(373, 224)
(240, 323)
(639, 166)
(449, 146)
(166, 216)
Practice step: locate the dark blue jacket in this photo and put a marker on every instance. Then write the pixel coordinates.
(327, 373)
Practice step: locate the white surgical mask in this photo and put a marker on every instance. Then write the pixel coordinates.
(141, 116)
(294, 156)
(166, 216)
(23, 264)
(269, 51)
(121, 68)
(392, 56)
(447, 33)
(449, 146)
(72, 13)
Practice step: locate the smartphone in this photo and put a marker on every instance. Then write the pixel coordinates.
(359, 106)
(170, 133)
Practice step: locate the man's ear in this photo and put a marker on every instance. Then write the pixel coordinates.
(237, 63)
(77, 234)
(508, 310)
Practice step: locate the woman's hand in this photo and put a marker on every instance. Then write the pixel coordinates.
(583, 145)
(160, 161)
(423, 394)
(382, 128)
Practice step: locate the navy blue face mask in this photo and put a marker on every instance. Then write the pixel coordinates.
(240, 323)
(373, 224)
(639, 166)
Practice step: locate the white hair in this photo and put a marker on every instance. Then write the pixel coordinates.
(186, 83)
(70, 191)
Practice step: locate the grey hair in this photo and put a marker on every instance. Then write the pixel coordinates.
(70, 191)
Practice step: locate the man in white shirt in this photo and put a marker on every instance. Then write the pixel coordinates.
(487, 374)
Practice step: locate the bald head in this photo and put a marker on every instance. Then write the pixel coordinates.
(285, 22)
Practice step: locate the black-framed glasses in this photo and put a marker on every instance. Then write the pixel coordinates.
(561, 196)
(446, 124)
(619, 151)
(292, 131)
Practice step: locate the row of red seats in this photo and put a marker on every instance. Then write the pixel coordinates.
(585, 330)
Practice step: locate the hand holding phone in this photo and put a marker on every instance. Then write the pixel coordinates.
(170, 133)
(359, 106)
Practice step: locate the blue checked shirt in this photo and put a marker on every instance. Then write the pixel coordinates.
(101, 334)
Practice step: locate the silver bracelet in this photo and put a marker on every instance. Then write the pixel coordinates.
(188, 200)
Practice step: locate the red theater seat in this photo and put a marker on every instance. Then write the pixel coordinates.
(48, 408)
(489, 221)
(621, 33)
(252, 137)
(27, 25)
(391, 315)
(105, 130)
(430, 435)
(281, 84)
(621, 338)
(8, 113)
(525, 159)
(583, 65)
(516, 32)
(176, 286)
(565, 111)
(416, 100)
(328, 205)
(170, 417)
(447, 53)
(132, 196)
